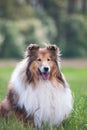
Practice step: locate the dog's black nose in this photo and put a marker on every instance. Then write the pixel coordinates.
(46, 69)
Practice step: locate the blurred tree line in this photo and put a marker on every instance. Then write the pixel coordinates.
(63, 22)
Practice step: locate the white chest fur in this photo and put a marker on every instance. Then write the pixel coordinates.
(45, 102)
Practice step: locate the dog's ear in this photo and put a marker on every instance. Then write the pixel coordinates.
(31, 53)
(31, 50)
(52, 47)
(55, 54)
(54, 50)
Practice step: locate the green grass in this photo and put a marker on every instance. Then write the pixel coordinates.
(77, 120)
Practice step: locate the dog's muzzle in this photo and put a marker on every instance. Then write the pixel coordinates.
(44, 72)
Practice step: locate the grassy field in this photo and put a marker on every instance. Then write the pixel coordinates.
(77, 79)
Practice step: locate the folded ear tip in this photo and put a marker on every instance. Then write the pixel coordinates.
(55, 47)
(52, 47)
(32, 46)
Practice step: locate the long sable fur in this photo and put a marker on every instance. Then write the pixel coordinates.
(55, 56)
(10, 102)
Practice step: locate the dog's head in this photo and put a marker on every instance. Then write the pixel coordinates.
(43, 63)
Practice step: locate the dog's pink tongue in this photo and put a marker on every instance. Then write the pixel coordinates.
(45, 76)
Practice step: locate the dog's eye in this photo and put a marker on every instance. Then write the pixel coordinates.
(39, 59)
(48, 59)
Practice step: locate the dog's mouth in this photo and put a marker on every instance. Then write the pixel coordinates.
(44, 75)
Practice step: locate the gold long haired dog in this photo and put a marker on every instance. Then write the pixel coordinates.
(38, 91)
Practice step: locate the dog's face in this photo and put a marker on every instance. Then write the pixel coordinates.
(43, 62)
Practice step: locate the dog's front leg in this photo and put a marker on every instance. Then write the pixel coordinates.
(5, 108)
(8, 104)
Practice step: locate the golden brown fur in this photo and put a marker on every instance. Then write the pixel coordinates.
(35, 58)
(33, 53)
(50, 54)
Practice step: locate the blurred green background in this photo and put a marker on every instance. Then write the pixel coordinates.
(60, 22)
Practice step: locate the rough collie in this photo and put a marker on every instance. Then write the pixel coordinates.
(38, 91)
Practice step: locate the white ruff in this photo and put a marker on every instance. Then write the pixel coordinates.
(46, 102)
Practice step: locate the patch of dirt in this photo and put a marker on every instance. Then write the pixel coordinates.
(74, 63)
(10, 63)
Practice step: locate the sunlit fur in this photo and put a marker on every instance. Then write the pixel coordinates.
(46, 101)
